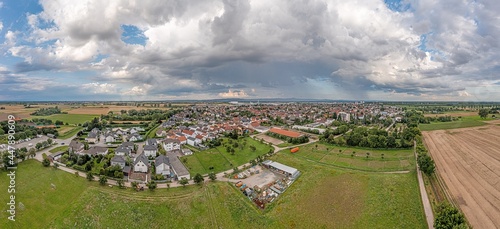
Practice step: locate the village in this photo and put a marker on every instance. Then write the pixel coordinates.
(132, 155)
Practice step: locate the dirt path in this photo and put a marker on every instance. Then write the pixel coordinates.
(468, 160)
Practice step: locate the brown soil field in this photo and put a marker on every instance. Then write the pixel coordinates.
(468, 160)
(266, 138)
(453, 114)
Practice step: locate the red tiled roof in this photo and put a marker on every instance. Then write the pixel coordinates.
(287, 133)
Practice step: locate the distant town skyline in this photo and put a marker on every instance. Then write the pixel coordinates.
(392, 50)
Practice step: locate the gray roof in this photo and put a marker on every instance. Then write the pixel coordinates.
(178, 167)
(118, 159)
(92, 135)
(142, 158)
(122, 149)
(150, 147)
(171, 140)
(151, 141)
(162, 159)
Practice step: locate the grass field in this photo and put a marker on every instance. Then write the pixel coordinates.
(59, 148)
(69, 118)
(70, 133)
(323, 197)
(393, 159)
(201, 161)
(467, 121)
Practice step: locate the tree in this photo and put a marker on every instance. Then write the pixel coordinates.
(49, 141)
(120, 183)
(382, 156)
(152, 185)
(46, 162)
(77, 174)
(38, 146)
(103, 180)
(198, 178)
(483, 113)
(449, 217)
(32, 152)
(134, 185)
(252, 148)
(90, 177)
(212, 176)
(184, 182)
(426, 164)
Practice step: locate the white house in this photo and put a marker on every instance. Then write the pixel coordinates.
(118, 160)
(170, 144)
(123, 151)
(109, 138)
(191, 141)
(93, 137)
(150, 150)
(163, 166)
(135, 137)
(141, 164)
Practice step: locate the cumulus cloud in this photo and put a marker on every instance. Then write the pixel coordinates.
(100, 88)
(233, 94)
(220, 48)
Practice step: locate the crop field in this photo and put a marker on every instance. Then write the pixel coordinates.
(221, 160)
(362, 159)
(69, 133)
(468, 160)
(69, 118)
(323, 197)
(464, 122)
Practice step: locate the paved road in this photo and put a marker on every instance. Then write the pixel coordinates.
(429, 215)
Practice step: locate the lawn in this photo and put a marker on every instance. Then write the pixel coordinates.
(70, 133)
(393, 159)
(59, 149)
(323, 197)
(42, 203)
(69, 118)
(221, 160)
(327, 197)
(467, 121)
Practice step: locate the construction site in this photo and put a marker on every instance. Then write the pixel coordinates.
(262, 184)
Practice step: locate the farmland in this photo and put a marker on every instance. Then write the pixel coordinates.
(221, 160)
(463, 122)
(392, 160)
(468, 161)
(323, 197)
(69, 118)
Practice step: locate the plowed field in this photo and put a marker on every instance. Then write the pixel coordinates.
(468, 160)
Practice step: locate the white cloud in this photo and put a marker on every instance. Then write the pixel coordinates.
(100, 88)
(359, 45)
(233, 94)
(1, 26)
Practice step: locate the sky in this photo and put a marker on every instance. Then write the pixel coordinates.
(447, 50)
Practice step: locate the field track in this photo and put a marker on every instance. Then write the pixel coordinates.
(468, 160)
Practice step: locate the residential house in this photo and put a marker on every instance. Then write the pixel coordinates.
(118, 160)
(123, 151)
(76, 147)
(150, 150)
(191, 141)
(135, 137)
(92, 137)
(95, 150)
(152, 142)
(182, 140)
(110, 137)
(162, 165)
(141, 164)
(170, 144)
(129, 145)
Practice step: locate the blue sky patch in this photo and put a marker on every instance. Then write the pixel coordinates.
(133, 35)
